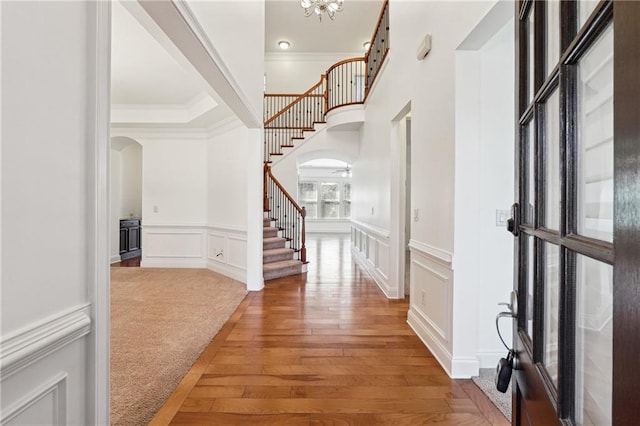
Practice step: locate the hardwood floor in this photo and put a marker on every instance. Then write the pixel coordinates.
(326, 350)
(134, 262)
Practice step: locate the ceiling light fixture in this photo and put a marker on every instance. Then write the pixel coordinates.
(284, 44)
(366, 45)
(319, 7)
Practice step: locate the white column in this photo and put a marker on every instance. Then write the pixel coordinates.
(255, 281)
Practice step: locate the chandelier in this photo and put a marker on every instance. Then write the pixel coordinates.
(330, 7)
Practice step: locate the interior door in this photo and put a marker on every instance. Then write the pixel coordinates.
(577, 261)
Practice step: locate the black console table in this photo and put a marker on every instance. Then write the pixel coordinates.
(130, 238)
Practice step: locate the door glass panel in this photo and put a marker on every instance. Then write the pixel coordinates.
(551, 309)
(593, 341)
(595, 139)
(585, 7)
(553, 34)
(530, 269)
(531, 50)
(552, 155)
(531, 187)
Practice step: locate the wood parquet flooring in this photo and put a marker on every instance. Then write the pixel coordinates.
(325, 349)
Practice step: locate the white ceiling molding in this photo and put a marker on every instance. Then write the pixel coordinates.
(310, 57)
(178, 23)
(193, 109)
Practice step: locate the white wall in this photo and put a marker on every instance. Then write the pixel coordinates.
(115, 165)
(484, 183)
(429, 87)
(131, 181)
(46, 319)
(296, 73)
(227, 202)
(236, 30)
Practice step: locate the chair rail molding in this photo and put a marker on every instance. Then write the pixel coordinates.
(24, 347)
(433, 253)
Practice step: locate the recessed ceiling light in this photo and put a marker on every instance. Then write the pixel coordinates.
(366, 45)
(284, 44)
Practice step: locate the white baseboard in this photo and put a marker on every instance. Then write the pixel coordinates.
(464, 367)
(439, 351)
(115, 258)
(228, 270)
(367, 265)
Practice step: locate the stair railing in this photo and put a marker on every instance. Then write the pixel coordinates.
(289, 217)
(378, 48)
(290, 122)
(346, 83)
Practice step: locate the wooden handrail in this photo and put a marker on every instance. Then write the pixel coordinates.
(292, 103)
(266, 95)
(267, 171)
(344, 61)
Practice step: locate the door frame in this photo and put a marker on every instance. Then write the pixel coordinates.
(624, 252)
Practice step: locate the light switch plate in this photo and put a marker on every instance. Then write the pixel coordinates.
(502, 216)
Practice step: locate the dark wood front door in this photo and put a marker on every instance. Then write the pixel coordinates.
(578, 238)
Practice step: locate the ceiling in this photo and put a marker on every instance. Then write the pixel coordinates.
(153, 86)
(353, 26)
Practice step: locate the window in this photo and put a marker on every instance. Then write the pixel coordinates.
(324, 199)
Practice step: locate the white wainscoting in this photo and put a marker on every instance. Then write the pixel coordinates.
(220, 248)
(431, 300)
(43, 368)
(370, 248)
(173, 246)
(227, 251)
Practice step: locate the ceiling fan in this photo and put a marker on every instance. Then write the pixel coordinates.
(344, 171)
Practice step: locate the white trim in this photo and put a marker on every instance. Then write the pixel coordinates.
(242, 107)
(141, 132)
(434, 253)
(381, 232)
(176, 226)
(228, 228)
(444, 335)
(310, 57)
(228, 270)
(370, 267)
(57, 387)
(26, 346)
(439, 351)
(115, 259)
(224, 126)
(96, 385)
(464, 367)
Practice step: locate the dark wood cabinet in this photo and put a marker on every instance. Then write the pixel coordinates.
(130, 238)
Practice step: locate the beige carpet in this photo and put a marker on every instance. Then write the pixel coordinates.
(161, 321)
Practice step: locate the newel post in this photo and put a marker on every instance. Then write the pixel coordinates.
(303, 248)
(265, 199)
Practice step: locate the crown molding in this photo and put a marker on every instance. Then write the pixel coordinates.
(310, 57)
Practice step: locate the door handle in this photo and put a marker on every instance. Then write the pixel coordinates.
(513, 224)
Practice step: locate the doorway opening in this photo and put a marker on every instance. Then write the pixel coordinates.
(126, 201)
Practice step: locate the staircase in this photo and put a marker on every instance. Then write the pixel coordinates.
(286, 119)
(278, 259)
